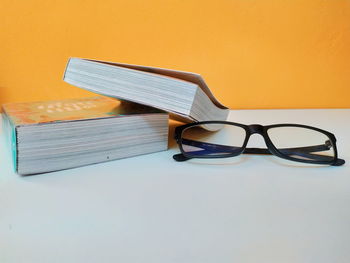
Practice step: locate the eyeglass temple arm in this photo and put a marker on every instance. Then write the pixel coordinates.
(232, 149)
(290, 151)
(301, 151)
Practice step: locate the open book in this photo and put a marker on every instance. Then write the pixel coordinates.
(183, 94)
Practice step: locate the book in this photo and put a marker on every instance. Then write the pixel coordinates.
(184, 95)
(56, 135)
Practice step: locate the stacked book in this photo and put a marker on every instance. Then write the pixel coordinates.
(55, 135)
(132, 120)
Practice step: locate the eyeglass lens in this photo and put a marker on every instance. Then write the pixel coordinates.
(294, 142)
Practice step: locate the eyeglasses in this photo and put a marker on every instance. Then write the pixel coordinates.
(220, 139)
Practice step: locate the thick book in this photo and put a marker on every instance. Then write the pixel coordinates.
(56, 135)
(183, 94)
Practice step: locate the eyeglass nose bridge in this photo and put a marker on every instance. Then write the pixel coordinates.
(256, 128)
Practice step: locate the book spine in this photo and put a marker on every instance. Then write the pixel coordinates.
(11, 133)
(203, 109)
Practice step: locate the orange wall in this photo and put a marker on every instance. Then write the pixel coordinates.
(253, 53)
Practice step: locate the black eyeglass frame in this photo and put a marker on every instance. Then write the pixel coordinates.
(263, 131)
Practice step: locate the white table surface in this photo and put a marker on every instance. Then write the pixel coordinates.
(252, 208)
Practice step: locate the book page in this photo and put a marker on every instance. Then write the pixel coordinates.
(183, 75)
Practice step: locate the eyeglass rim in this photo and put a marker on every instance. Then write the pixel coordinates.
(270, 146)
